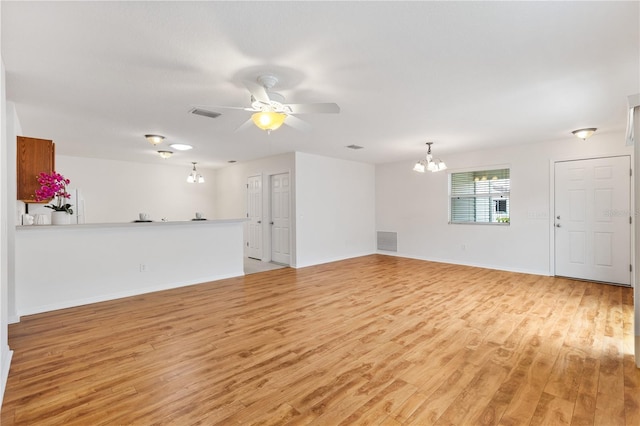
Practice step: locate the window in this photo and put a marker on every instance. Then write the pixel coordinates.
(480, 196)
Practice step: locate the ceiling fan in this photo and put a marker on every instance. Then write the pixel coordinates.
(269, 110)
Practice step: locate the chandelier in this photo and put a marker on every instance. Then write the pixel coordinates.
(428, 163)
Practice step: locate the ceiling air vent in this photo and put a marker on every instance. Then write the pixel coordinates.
(354, 147)
(204, 113)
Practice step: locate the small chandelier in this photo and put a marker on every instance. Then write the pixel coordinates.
(429, 163)
(584, 134)
(268, 120)
(165, 154)
(195, 176)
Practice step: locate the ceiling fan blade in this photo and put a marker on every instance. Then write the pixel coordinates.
(244, 126)
(258, 92)
(296, 123)
(212, 108)
(322, 108)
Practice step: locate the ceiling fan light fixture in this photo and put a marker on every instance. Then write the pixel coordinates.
(268, 120)
(154, 139)
(584, 134)
(165, 154)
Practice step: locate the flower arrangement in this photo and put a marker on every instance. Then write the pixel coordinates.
(54, 185)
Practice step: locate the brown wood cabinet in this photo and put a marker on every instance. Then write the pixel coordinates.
(33, 156)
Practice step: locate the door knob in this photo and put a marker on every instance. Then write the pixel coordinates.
(557, 225)
(272, 223)
(259, 221)
(558, 217)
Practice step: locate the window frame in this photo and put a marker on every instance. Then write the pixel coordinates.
(491, 196)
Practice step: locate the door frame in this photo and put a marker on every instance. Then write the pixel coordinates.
(552, 190)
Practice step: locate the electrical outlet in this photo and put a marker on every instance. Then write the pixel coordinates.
(143, 267)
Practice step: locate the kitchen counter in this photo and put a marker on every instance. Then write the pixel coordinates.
(127, 224)
(70, 265)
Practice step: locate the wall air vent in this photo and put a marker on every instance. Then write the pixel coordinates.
(204, 113)
(355, 147)
(387, 241)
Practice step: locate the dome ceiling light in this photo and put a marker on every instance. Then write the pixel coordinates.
(584, 134)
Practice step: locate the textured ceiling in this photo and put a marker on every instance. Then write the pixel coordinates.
(97, 76)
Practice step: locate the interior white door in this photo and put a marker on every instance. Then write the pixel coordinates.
(254, 214)
(281, 218)
(592, 219)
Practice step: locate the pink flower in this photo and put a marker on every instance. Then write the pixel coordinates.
(54, 185)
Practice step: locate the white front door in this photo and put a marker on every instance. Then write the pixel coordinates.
(592, 219)
(254, 214)
(280, 218)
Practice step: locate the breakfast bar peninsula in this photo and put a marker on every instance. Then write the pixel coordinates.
(64, 266)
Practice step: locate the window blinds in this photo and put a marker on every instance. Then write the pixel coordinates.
(480, 196)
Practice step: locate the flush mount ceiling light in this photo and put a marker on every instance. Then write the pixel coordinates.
(429, 163)
(165, 154)
(584, 134)
(195, 176)
(154, 139)
(181, 146)
(268, 120)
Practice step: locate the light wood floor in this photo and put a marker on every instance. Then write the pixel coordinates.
(372, 340)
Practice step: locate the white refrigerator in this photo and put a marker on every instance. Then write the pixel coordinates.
(77, 205)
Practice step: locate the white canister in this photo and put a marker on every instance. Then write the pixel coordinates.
(40, 219)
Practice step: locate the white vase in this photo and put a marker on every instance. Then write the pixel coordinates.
(60, 218)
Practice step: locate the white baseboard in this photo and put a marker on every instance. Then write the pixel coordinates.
(332, 259)
(475, 265)
(106, 297)
(6, 365)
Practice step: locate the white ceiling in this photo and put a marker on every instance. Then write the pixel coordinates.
(97, 76)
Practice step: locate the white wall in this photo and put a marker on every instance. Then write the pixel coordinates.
(636, 290)
(335, 209)
(5, 210)
(416, 205)
(231, 192)
(336, 198)
(13, 130)
(116, 191)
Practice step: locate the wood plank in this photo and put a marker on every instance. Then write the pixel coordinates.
(531, 378)
(552, 410)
